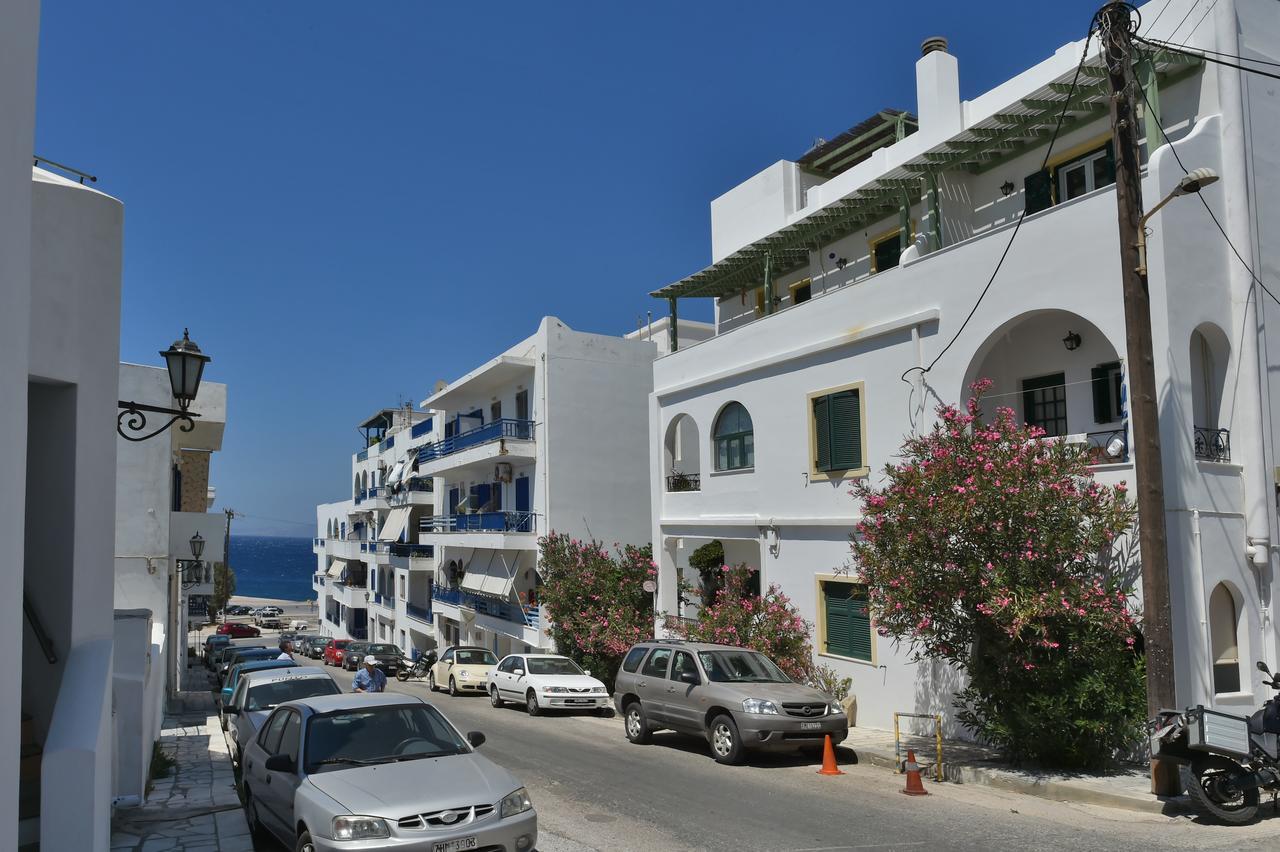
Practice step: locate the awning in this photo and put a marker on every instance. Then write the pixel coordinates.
(396, 472)
(495, 579)
(394, 525)
(336, 569)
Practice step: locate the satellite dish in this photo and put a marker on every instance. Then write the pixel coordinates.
(650, 586)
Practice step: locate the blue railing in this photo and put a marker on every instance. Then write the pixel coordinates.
(421, 613)
(479, 522)
(497, 430)
(377, 598)
(319, 578)
(387, 443)
(428, 485)
(420, 429)
(526, 615)
(400, 548)
(363, 455)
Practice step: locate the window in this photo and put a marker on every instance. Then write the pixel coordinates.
(683, 664)
(837, 430)
(1077, 176)
(846, 622)
(801, 291)
(1044, 403)
(269, 739)
(656, 665)
(522, 405)
(448, 656)
(289, 738)
(1108, 392)
(734, 438)
(1224, 624)
(634, 656)
(495, 411)
(886, 250)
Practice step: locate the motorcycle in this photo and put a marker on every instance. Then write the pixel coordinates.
(416, 668)
(1225, 761)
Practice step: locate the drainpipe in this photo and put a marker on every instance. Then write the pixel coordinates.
(1251, 404)
(1202, 605)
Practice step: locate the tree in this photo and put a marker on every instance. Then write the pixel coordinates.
(989, 548)
(596, 603)
(224, 587)
(708, 560)
(767, 623)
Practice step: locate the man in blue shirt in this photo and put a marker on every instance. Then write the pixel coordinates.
(370, 678)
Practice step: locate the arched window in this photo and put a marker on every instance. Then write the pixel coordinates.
(1224, 632)
(735, 438)
(680, 455)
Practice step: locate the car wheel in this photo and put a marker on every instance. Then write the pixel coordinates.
(453, 688)
(636, 724)
(494, 699)
(256, 830)
(431, 681)
(304, 843)
(531, 704)
(726, 745)
(604, 712)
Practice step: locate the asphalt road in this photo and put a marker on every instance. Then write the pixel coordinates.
(596, 791)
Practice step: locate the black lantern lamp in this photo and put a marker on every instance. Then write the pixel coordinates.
(185, 363)
(1071, 341)
(191, 572)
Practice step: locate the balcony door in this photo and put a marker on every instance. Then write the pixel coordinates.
(1044, 403)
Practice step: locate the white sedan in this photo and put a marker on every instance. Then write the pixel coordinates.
(546, 681)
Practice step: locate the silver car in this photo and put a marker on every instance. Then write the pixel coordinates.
(379, 771)
(258, 693)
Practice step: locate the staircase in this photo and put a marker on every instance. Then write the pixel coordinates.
(29, 788)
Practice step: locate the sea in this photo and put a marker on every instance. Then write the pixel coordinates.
(273, 567)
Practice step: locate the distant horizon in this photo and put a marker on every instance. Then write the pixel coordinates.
(266, 535)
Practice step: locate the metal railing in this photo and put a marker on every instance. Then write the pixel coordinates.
(678, 481)
(387, 443)
(400, 548)
(363, 455)
(427, 485)
(420, 429)
(1108, 446)
(516, 614)
(421, 613)
(522, 522)
(361, 633)
(1212, 444)
(497, 430)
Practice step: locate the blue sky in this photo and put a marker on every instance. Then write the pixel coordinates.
(348, 201)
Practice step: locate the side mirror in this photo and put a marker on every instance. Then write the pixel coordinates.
(518, 672)
(690, 678)
(475, 738)
(1262, 667)
(587, 672)
(278, 763)
(231, 711)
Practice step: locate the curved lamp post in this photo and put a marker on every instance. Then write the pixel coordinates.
(186, 363)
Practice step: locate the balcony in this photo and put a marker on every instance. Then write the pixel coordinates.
(420, 429)
(684, 482)
(1212, 444)
(416, 492)
(418, 613)
(1108, 446)
(399, 548)
(372, 498)
(507, 439)
(480, 522)
(525, 616)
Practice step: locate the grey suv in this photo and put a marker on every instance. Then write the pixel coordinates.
(735, 697)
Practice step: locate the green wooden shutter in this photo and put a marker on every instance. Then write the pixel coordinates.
(822, 432)
(859, 624)
(837, 616)
(1038, 192)
(846, 431)
(847, 620)
(1101, 381)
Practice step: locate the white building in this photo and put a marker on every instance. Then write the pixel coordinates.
(60, 264)
(163, 498)
(549, 435)
(877, 245)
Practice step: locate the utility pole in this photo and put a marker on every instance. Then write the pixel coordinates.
(1117, 47)
(226, 558)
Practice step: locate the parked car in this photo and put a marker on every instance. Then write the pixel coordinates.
(237, 671)
(306, 645)
(354, 655)
(243, 655)
(464, 668)
(299, 624)
(390, 658)
(334, 651)
(258, 693)
(212, 641)
(236, 630)
(386, 771)
(738, 699)
(546, 681)
(268, 620)
(220, 653)
(237, 609)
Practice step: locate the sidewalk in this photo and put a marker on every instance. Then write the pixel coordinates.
(969, 763)
(196, 808)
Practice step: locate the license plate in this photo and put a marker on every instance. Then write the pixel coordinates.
(578, 701)
(810, 726)
(455, 845)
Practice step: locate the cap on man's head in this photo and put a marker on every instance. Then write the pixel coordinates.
(371, 660)
(284, 643)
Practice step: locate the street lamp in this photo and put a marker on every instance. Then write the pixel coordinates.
(185, 363)
(1191, 183)
(191, 573)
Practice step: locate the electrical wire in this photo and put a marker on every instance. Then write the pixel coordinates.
(1075, 80)
(1199, 22)
(1190, 9)
(1156, 19)
(1188, 51)
(1215, 53)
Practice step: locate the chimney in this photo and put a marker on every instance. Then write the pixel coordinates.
(938, 90)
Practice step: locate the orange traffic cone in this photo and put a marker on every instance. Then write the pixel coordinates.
(914, 786)
(829, 759)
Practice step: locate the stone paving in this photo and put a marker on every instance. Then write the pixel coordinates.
(195, 809)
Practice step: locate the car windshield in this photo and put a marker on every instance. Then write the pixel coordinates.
(379, 735)
(553, 666)
(474, 658)
(741, 667)
(385, 649)
(268, 695)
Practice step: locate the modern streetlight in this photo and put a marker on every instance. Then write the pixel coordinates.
(185, 363)
(1191, 183)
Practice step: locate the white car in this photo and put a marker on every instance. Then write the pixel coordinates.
(545, 682)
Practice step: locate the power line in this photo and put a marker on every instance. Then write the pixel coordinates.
(1190, 9)
(1205, 57)
(1156, 19)
(1017, 225)
(1156, 41)
(1199, 22)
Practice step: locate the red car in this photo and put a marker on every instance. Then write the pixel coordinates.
(237, 630)
(334, 651)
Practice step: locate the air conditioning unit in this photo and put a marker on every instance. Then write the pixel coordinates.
(502, 472)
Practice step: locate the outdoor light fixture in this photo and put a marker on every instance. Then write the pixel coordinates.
(1006, 188)
(185, 363)
(1071, 341)
(841, 263)
(1191, 183)
(191, 572)
(197, 546)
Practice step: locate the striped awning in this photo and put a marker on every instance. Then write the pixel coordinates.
(336, 569)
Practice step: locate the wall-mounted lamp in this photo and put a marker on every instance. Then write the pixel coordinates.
(1071, 341)
(191, 571)
(841, 262)
(186, 363)
(1006, 188)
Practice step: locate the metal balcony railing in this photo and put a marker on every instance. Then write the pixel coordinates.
(421, 613)
(1212, 444)
(1108, 446)
(497, 430)
(363, 455)
(516, 614)
(400, 548)
(420, 429)
(521, 522)
(678, 481)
